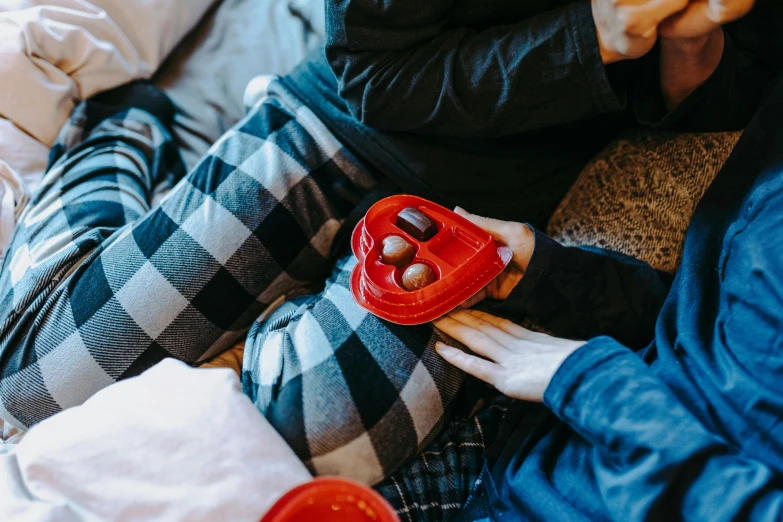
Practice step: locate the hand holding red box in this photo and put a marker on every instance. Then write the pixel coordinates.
(458, 257)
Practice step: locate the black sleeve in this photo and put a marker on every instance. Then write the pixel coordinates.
(582, 293)
(401, 66)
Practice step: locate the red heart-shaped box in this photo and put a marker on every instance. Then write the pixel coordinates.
(331, 499)
(464, 257)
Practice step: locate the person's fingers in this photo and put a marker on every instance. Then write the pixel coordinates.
(477, 341)
(501, 337)
(507, 326)
(536, 339)
(638, 20)
(507, 232)
(486, 371)
(517, 236)
(702, 16)
(476, 298)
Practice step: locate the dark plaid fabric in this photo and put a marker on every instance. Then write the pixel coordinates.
(98, 286)
(437, 484)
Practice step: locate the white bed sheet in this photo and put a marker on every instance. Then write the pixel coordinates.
(207, 75)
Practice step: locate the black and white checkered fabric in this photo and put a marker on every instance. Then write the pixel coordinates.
(348, 391)
(98, 286)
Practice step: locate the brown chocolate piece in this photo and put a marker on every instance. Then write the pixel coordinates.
(396, 251)
(415, 223)
(418, 276)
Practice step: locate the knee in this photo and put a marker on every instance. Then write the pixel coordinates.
(350, 394)
(49, 368)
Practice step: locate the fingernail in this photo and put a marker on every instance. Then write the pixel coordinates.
(443, 348)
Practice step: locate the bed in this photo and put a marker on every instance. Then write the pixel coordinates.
(237, 40)
(54, 53)
(233, 41)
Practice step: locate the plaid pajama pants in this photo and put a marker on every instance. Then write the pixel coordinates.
(98, 286)
(446, 476)
(345, 389)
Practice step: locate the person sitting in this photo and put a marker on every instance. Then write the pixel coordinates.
(97, 286)
(671, 410)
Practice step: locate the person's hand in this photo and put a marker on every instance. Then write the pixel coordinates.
(702, 17)
(516, 361)
(519, 238)
(628, 29)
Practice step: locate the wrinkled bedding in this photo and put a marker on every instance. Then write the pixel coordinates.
(54, 53)
(207, 75)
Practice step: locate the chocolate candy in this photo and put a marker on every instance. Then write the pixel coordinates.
(418, 276)
(415, 223)
(396, 251)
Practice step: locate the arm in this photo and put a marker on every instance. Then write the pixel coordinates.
(582, 293)
(654, 459)
(405, 70)
(577, 293)
(402, 66)
(698, 92)
(708, 77)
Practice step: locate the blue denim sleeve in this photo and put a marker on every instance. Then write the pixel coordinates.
(582, 293)
(654, 459)
(403, 65)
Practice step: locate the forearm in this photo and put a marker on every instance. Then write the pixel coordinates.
(410, 72)
(654, 458)
(685, 64)
(700, 85)
(580, 294)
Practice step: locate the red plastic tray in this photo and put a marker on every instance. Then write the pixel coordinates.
(464, 256)
(331, 500)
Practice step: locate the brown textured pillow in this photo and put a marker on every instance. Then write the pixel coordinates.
(638, 196)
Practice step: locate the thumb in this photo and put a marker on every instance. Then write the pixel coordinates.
(517, 236)
(504, 231)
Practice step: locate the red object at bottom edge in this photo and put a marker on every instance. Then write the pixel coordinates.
(331, 500)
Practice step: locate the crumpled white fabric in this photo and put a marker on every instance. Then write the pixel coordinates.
(54, 53)
(23, 161)
(174, 444)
